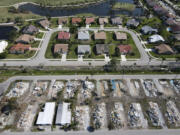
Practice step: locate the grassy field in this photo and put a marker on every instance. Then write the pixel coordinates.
(124, 6)
(4, 15)
(46, 2)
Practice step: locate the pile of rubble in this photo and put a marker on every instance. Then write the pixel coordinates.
(134, 115)
(82, 117)
(58, 86)
(150, 89)
(87, 88)
(99, 116)
(18, 90)
(154, 114)
(122, 86)
(26, 119)
(71, 88)
(117, 115)
(176, 85)
(105, 85)
(40, 88)
(173, 114)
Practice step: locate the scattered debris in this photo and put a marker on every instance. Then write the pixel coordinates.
(173, 114)
(136, 117)
(82, 117)
(40, 88)
(150, 88)
(18, 89)
(99, 116)
(117, 117)
(155, 115)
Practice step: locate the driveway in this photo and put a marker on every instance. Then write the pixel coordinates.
(40, 59)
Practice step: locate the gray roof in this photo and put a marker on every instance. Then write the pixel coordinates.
(30, 29)
(83, 35)
(148, 29)
(82, 49)
(132, 22)
(102, 49)
(117, 20)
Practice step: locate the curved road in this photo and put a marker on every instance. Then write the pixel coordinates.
(40, 59)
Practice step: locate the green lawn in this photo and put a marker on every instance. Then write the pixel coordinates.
(73, 45)
(5, 15)
(46, 2)
(28, 54)
(114, 43)
(39, 35)
(54, 22)
(52, 42)
(35, 44)
(124, 6)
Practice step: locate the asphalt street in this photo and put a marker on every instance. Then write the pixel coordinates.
(102, 132)
(40, 59)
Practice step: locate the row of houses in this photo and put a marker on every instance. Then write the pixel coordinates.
(101, 21)
(168, 18)
(86, 49)
(84, 35)
(63, 114)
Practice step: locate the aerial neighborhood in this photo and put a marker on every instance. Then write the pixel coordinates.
(82, 66)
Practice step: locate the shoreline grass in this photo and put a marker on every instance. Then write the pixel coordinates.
(123, 6)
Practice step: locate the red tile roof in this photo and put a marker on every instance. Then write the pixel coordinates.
(63, 35)
(20, 47)
(89, 20)
(124, 48)
(76, 20)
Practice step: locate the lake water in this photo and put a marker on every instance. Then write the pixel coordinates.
(100, 9)
(4, 32)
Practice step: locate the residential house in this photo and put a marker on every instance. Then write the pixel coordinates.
(121, 36)
(84, 49)
(90, 20)
(19, 48)
(63, 35)
(3, 46)
(103, 21)
(100, 35)
(25, 38)
(148, 30)
(61, 48)
(30, 30)
(155, 38)
(83, 35)
(117, 21)
(45, 118)
(76, 20)
(164, 49)
(44, 23)
(132, 23)
(102, 49)
(62, 21)
(175, 29)
(63, 116)
(124, 49)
